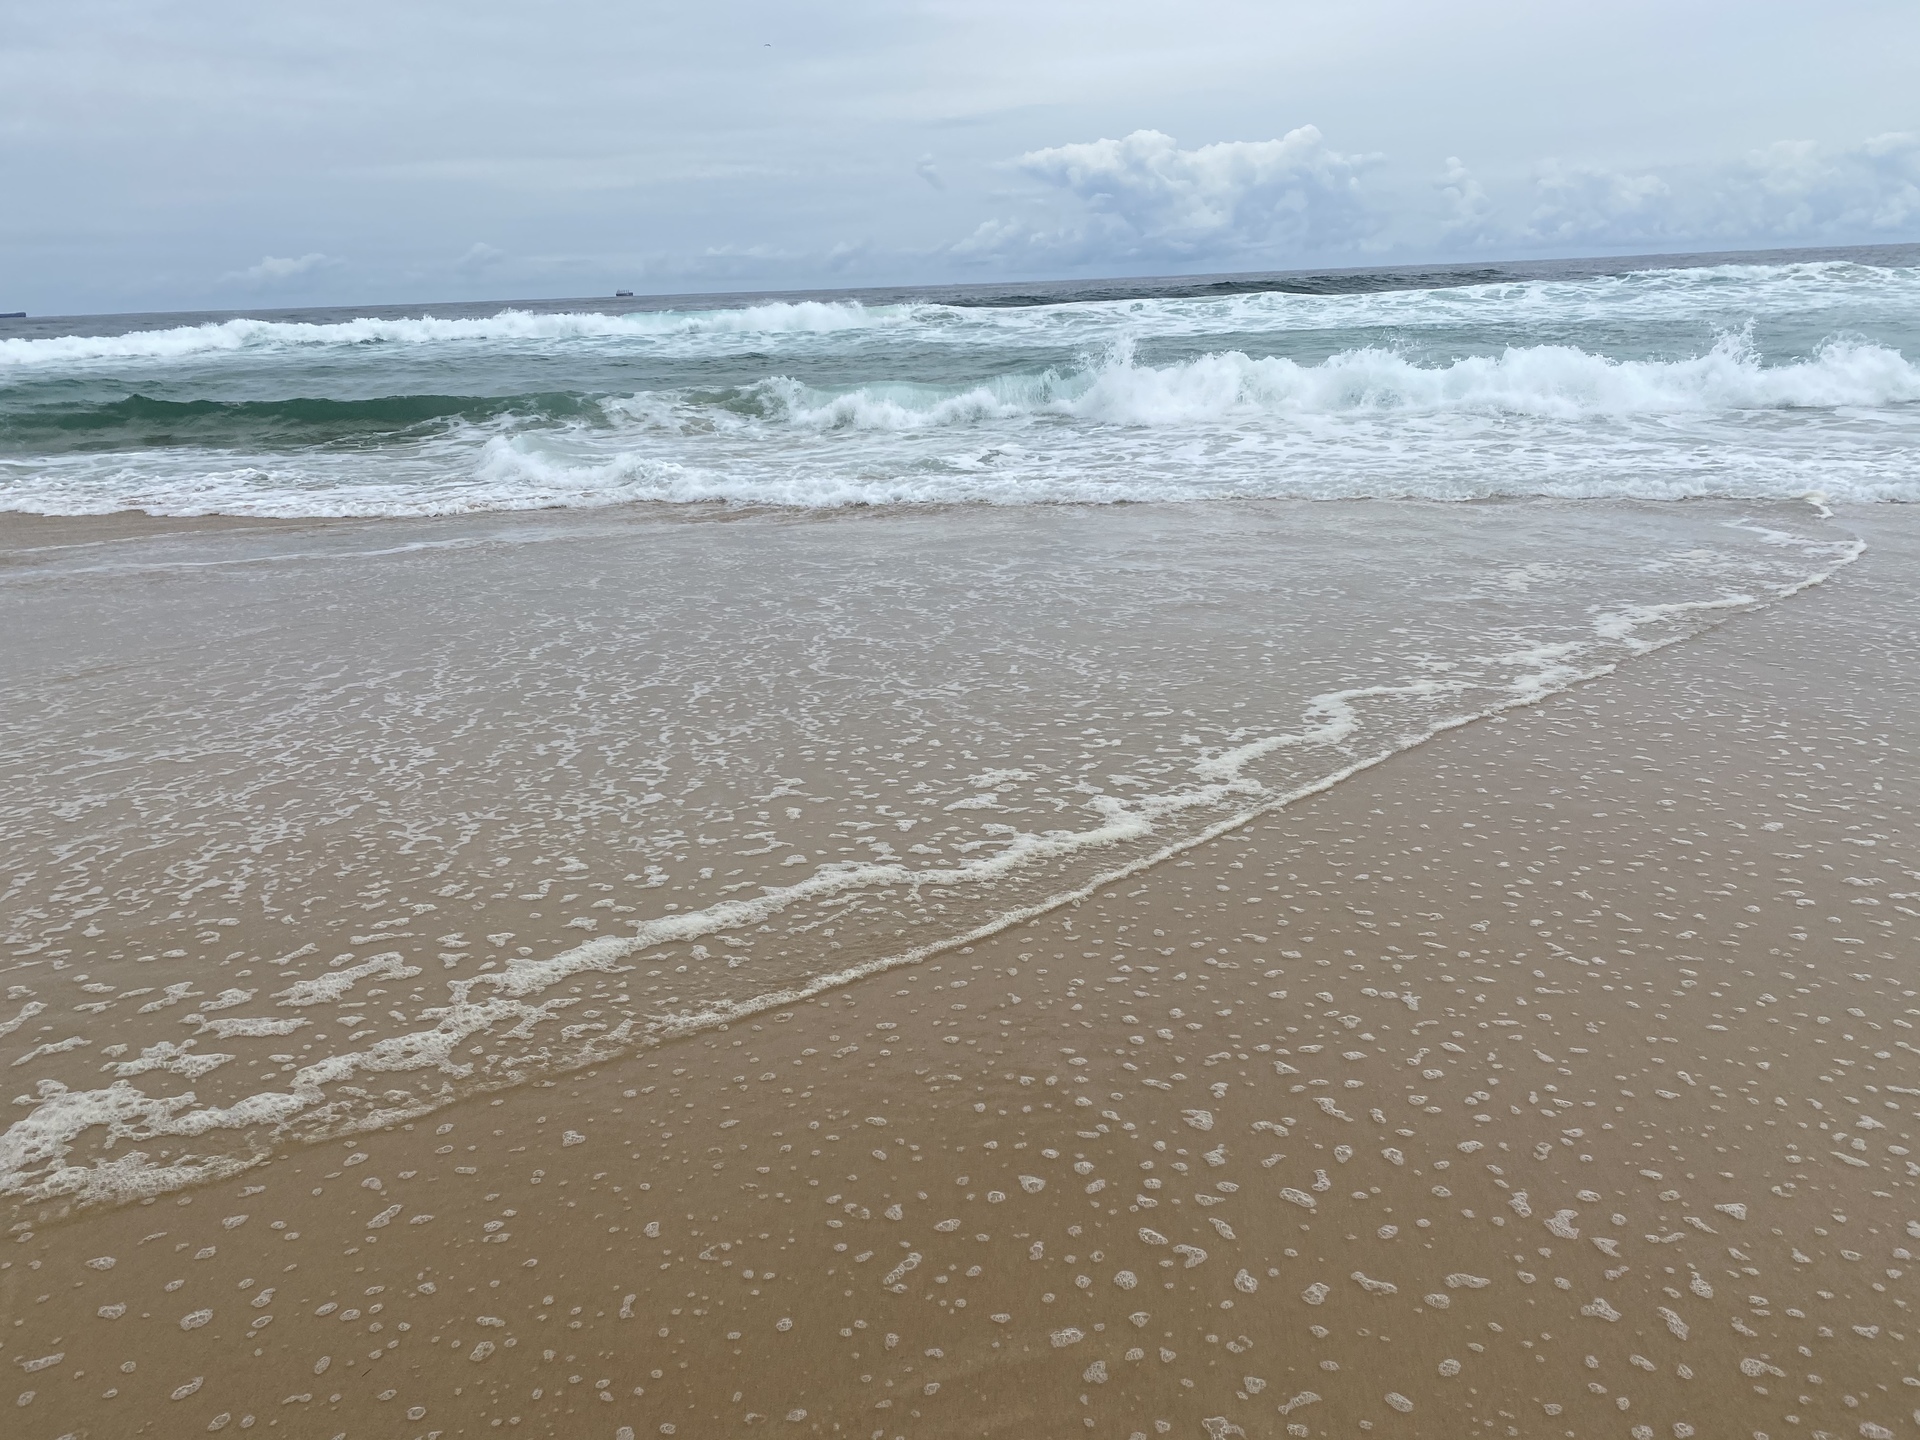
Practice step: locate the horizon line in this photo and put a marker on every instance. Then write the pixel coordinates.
(1470, 271)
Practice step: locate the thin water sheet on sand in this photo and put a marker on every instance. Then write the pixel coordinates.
(1556, 1076)
(334, 826)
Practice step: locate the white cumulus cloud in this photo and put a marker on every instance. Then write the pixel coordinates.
(479, 256)
(1143, 198)
(280, 269)
(1788, 193)
(1586, 203)
(1468, 212)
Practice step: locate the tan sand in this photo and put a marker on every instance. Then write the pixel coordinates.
(1558, 1077)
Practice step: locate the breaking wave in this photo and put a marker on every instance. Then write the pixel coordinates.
(229, 336)
(1547, 381)
(1748, 382)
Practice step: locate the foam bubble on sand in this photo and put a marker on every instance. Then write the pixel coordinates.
(174, 1059)
(26, 1013)
(246, 1027)
(62, 1114)
(53, 1047)
(32, 1147)
(322, 989)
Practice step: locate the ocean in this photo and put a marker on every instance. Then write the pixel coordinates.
(1749, 377)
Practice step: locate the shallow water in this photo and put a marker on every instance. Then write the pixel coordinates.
(1557, 1077)
(341, 824)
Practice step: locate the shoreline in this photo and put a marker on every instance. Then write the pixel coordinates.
(24, 531)
(1025, 871)
(1188, 1012)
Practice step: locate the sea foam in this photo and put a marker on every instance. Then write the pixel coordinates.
(247, 335)
(1559, 382)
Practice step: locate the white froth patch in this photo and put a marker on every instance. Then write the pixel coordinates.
(322, 989)
(508, 326)
(246, 1027)
(171, 1058)
(26, 1013)
(53, 1047)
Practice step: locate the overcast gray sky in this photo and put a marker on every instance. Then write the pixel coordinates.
(165, 155)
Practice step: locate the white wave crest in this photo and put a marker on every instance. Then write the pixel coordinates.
(1557, 382)
(1539, 420)
(228, 336)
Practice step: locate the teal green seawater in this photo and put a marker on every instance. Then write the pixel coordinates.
(1739, 377)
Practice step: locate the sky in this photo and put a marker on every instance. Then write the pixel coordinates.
(160, 155)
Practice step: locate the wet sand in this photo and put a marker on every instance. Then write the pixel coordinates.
(1555, 1077)
(21, 533)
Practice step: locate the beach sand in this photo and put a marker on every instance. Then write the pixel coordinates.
(1556, 1076)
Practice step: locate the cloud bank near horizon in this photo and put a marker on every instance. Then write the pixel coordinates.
(1143, 204)
(1262, 204)
(1143, 199)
